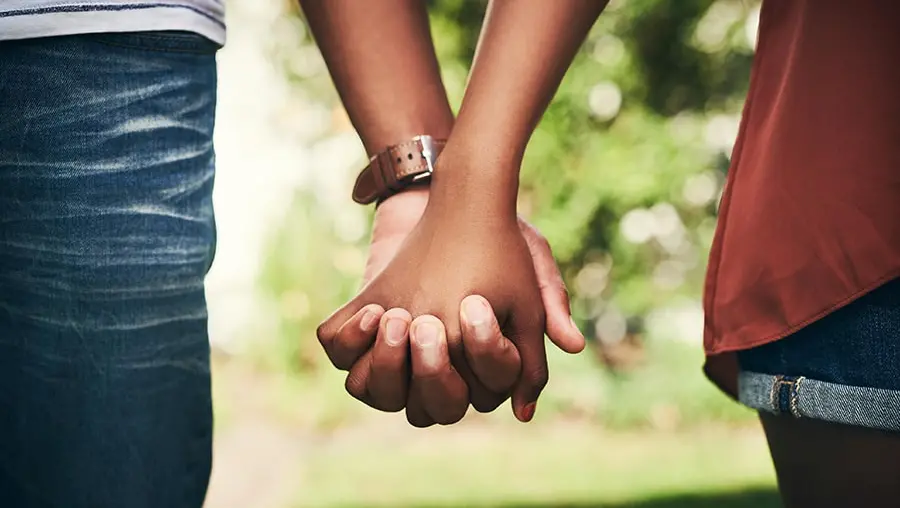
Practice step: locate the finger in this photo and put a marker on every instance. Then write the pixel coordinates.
(357, 380)
(416, 414)
(389, 369)
(444, 394)
(480, 397)
(328, 329)
(561, 328)
(528, 337)
(494, 359)
(354, 337)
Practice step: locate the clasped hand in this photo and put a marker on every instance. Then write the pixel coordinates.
(453, 312)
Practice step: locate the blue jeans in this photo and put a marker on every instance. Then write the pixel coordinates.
(844, 368)
(106, 234)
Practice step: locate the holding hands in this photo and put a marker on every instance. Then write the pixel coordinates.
(455, 352)
(458, 291)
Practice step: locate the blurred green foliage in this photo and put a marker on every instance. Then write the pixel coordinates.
(622, 175)
(590, 162)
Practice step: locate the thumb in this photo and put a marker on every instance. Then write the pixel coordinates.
(561, 328)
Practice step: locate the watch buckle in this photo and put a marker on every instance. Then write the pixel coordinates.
(428, 151)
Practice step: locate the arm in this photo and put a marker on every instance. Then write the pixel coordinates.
(383, 63)
(382, 60)
(525, 48)
(417, 277)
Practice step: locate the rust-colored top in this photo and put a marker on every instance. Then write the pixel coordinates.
(810, 216)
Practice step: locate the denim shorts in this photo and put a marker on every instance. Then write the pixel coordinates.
(106, 234)
(844, 368)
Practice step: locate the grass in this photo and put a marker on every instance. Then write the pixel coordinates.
(658, 437)
(666, 391)
(548, 463)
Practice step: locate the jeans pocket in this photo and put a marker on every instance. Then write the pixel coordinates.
(163, 41)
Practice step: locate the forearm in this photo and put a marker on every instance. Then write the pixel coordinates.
(525, 48)
(381, 57)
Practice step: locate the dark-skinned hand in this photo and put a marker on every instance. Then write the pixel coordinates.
(396, 362)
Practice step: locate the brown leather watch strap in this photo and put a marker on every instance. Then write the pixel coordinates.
(396, 168)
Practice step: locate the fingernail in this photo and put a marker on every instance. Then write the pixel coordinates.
(426, 335)
(395, 331)
(528, 411)
(477, 311)
(369, 321)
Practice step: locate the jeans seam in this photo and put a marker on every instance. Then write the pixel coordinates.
(795, 397)
(773, 394)
(157, 50)
(212, 50)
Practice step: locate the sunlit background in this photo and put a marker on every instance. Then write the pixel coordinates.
(623, 176)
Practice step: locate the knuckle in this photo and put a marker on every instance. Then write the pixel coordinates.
(503, 347)
(450, 420)
(484, 400)
(418, 421)
(324, 331)
(537, 377)
(386, 404)
(355, 386)
(452, 415)
(497, 366)
(393, 406)
(324, 335)
(486, 405)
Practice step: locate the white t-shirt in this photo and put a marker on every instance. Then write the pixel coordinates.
(27, 19)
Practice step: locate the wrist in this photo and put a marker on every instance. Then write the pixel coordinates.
(477, 128)
(478, 178)
(399, 213)
(397, 168)
(435, 120)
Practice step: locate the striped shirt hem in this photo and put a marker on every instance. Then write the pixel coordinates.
(70, 19)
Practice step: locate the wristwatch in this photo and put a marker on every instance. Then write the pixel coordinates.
(396, 168)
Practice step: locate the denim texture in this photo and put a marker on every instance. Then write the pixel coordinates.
(843, 368)
(106, 234)
(801, 397)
